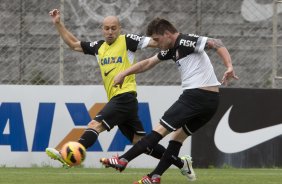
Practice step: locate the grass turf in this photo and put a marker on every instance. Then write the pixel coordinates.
(48, 175)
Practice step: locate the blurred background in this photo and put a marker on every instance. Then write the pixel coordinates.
(32, 53)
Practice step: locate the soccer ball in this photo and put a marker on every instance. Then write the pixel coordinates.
(73, 153)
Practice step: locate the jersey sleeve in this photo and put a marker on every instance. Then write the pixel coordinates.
(192, 43)
(165, 55)
(134, 42)
(91, 47)
(200, 45)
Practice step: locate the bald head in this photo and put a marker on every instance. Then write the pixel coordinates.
(111, 29)
(111, 20)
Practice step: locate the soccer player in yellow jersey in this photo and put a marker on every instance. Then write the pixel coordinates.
(114, 54)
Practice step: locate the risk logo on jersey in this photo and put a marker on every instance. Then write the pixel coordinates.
(187, 43)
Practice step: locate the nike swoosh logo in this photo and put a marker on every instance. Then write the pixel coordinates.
(228, 141)
(107, 73)
(253, 11)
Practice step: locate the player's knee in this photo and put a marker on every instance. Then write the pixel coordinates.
(136, 138)
(91, 124)
(161, 130)
(148, 142)
(97, 126)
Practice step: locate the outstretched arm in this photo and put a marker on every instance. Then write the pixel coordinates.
(67, 36)
(139, 67)
(223, 53)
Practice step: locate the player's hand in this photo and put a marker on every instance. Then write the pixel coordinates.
(228, 74)
(118, 80)
(55, 14)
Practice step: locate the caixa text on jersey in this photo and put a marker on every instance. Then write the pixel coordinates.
(110, 60)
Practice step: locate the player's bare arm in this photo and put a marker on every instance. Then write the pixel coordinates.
(139, 67)
(221, 50)
(213, 43)
(67, 36)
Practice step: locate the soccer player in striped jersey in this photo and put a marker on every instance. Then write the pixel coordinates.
(195, 106)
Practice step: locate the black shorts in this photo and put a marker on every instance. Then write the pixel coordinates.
(122, 110)
(193, 109)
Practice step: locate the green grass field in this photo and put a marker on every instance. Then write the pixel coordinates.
(109, 176)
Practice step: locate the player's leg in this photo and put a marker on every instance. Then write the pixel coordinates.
(91, 133)
(156, 152)
(55, 155)
(103, 121)
(87, 139)
(149, 141)
(196, 114)
(134, 131)
(146, 143)
(111, 115)
(171, 156)
(174, 118)
(195, 109)
(132, 128)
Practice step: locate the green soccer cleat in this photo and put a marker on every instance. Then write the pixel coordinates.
(55, 155)
(187, 169)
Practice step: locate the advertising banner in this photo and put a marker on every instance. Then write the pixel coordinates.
(33, 118)
(246, 131)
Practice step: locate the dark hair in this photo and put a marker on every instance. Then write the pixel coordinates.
(159, 26)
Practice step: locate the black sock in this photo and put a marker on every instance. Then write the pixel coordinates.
(170, 156)
(142, 146)
(88, 138)
(157, 151)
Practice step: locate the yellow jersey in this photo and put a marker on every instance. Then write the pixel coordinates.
(115, 58)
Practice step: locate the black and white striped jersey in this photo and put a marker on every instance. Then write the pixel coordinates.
(192, 61)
